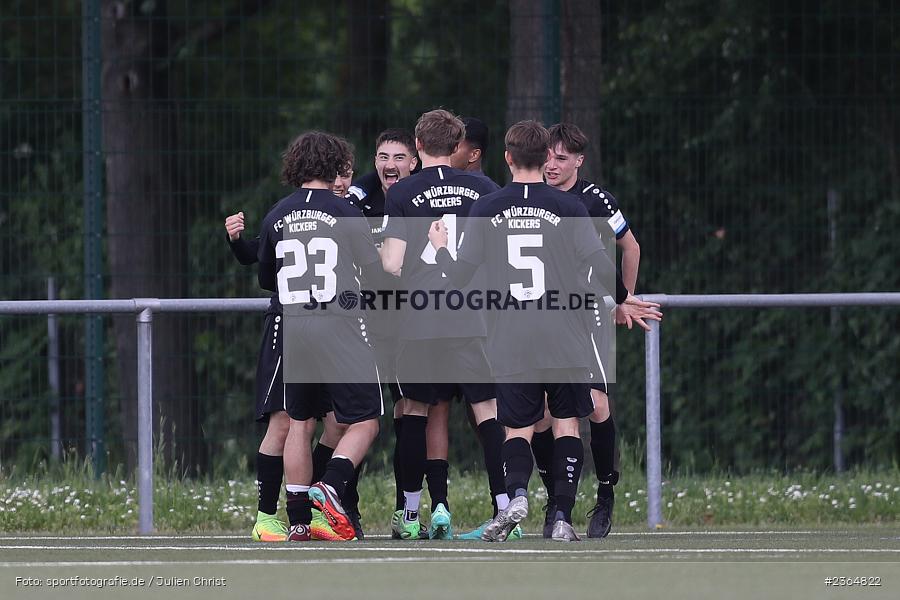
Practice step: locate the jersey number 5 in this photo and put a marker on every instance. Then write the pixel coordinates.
(514, 245)
(325, 270)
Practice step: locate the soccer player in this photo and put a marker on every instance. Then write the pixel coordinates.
(568, 144)
(441, 352)
(270, 463)
(395, 158)
(547, 250)
(468, 156)
(342, 184)
(312, 225)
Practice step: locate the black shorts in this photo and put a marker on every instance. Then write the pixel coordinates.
(425, 366)
(331, 364)
(386, 359)
(269, 387)
(601, 331)
(304, 401)
(567, 391)
(433, 393)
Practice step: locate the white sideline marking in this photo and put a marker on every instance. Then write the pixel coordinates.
(385, 536)
(400, 549)
(169, 563)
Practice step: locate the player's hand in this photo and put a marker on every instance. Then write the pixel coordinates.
(637, 311)
(437, 234)
(234, 225)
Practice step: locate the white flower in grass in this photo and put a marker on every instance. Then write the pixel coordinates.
(628, 494)
(669, 505)
(129, 512)
(82, 517)
(731, 501)
(681, 494)
(708, 506)
(878, 484)
(762, 499)
(632, 504)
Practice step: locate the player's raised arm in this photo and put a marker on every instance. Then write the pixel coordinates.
(244, 250)
(392, 252)
(637, 311)
(266, 256)
(459, 272)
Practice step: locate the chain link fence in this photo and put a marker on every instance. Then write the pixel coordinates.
(752, 146)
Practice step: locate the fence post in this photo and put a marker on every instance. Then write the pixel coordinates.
(53, 375)
(654, 446)
(145, 419)
(550, 62)
(92, 173)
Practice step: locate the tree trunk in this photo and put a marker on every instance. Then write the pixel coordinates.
(525, 88)
(580, 75)
(146, 249)
(362, 79)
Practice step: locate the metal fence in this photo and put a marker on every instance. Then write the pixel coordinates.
(753, 149)
(653, 371)
(145, 308)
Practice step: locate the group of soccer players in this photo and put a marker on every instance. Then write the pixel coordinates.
(428, 219)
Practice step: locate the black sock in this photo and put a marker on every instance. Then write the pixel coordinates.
(269, 472)
(490, 432)
(412, 452)
(398, 481)
(339, 472)
(321, 454)
(351, 494)
(299, 508)
(603, 449)
(568, 459)
(542, 447)
(436, 472)
(517, 463)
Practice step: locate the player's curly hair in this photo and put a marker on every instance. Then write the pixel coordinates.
(528, 143)
(316, 155)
